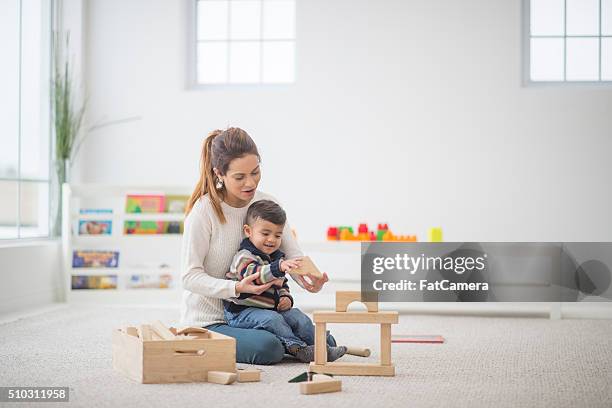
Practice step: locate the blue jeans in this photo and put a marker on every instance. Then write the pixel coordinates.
(291, 327)
(252, 346)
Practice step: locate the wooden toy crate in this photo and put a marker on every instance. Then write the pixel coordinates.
(172, 361)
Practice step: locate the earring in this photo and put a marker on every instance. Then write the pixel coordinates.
(219, 184)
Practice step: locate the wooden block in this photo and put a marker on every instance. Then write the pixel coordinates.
(345, 298)
(155, 336)
(359, 351)
(221, 377)
(162, 330)
(144, 332)
(307, 268)
(385, 344)
(186, 337)
(337, 368)
(300, 378)
(200, 335)
(248, 375)
(320, 387)
(132, 331)
(320, 343)
(192, 330)
(355, 317)
(322, 377)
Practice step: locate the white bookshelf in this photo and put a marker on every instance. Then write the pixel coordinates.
(146, 254)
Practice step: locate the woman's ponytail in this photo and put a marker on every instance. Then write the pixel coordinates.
(206, 184)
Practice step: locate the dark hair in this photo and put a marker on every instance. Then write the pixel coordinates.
(266, 210)
(218, 150)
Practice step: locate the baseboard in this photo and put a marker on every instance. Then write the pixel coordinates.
(29, 301)
(587, 310)
(29, 312)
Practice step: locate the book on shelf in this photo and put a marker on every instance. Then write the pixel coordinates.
(95, 211)
(145, 203)
(176, 203)
(98, 227)
(173, 227)
(150, 281)
(152, 227)
(95, 259)
(155, 203)
(94, 281)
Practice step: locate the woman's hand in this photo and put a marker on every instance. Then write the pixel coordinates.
(246, 285)
(314, 284)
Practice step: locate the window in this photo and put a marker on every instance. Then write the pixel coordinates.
(24, 118)
(245, 41)
(570, 40)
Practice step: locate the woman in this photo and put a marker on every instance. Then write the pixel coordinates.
(215, 214)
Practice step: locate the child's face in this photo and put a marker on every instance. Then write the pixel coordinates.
(265, 235)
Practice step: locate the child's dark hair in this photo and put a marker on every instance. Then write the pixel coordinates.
(266, 210)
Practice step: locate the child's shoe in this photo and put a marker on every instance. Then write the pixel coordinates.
(334, 353)
(304, 354)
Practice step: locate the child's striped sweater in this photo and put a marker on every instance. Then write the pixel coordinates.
(250, 260)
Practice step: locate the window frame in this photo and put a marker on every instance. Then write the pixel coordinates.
(526, 53)
(192, 57)
(50, 11)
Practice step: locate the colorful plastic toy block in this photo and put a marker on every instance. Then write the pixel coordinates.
(332, 234)
(435, 234)
(382, 233)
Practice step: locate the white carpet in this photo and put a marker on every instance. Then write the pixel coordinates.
(486, 362)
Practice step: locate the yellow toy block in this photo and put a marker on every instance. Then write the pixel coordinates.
(435, 234)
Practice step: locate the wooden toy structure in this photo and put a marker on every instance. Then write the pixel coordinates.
(341, 315)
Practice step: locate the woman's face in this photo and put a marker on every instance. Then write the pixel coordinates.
(241, 180)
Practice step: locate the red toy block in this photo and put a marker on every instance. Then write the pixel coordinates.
(332, 233)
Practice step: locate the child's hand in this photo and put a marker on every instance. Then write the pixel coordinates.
(284, 304)
(288, 265)
(278, 282)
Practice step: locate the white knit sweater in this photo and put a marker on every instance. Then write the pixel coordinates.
(207, 251)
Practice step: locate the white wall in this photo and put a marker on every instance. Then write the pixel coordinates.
(409, 112)
(31, 275)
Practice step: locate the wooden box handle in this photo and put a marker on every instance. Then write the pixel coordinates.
(200, 352)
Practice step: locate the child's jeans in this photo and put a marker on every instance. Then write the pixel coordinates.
(292, 326)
